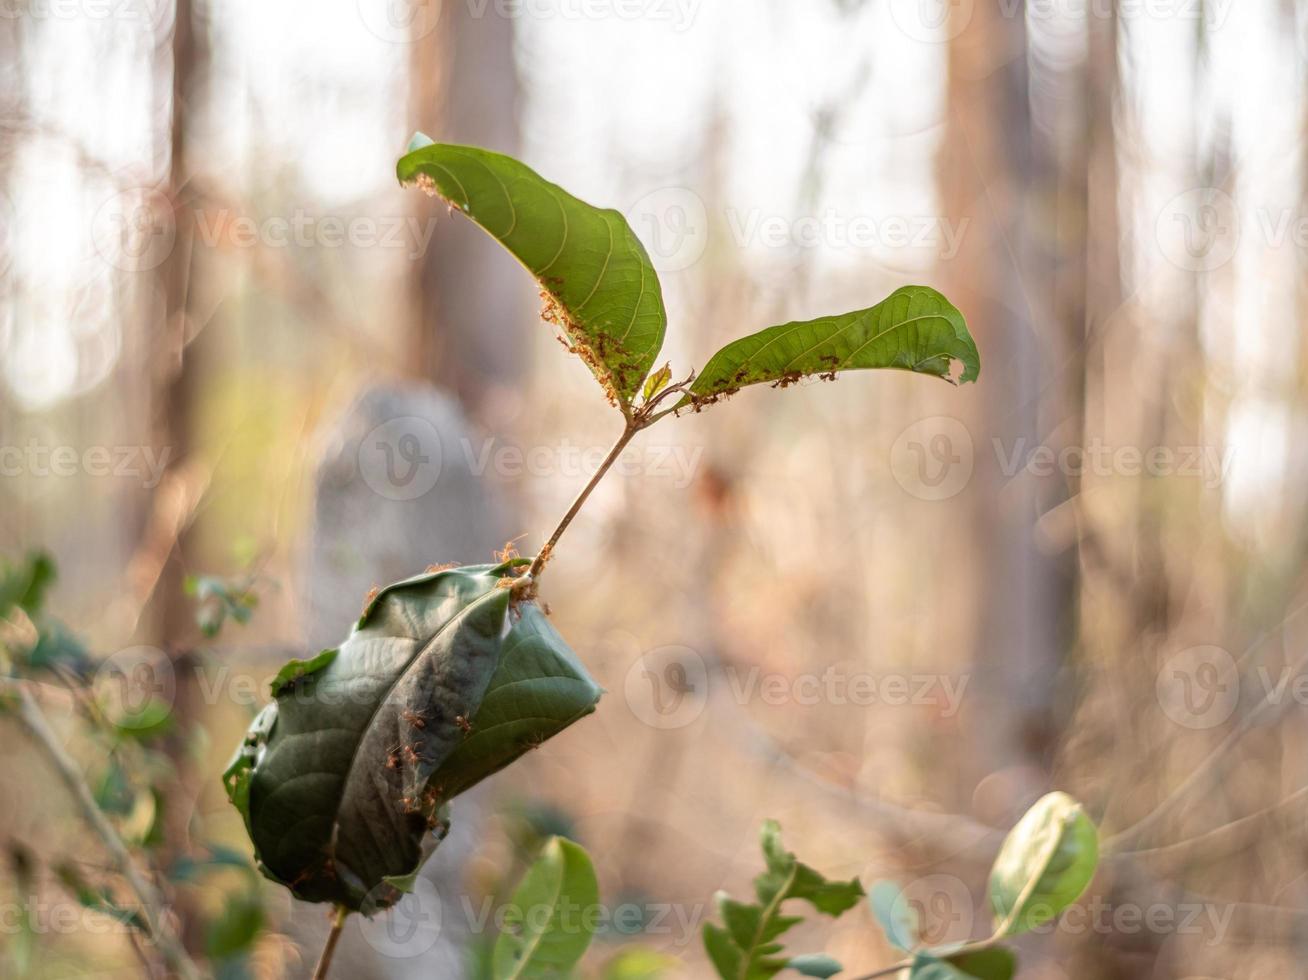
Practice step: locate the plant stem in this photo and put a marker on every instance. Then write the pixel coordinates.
(542, 556)
(977, 946)
(887, 971)
(169, 946)
(333, 937)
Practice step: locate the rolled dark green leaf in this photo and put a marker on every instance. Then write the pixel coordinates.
(342, 779)
(914, 329)
(599, 285)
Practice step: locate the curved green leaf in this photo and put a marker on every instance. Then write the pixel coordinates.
(1045, 864)
(341, 779)
(550, 920)
(914, 329)
(996, 963)
(596, 279)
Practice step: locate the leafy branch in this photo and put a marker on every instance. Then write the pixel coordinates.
(746, 946)
(601, 291)
(343, 780)
(152, 907)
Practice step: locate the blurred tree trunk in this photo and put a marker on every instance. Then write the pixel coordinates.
(170, 618)
(989, 179)
(467, 312)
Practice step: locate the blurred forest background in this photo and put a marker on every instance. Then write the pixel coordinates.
(886, 612)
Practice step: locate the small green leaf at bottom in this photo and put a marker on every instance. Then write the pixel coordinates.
(996, 963)
(550, 920)
(815, 965)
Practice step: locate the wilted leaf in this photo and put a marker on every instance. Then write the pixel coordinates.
(913, 329)
(1045, 864)
(341, 779)
(550, 920)
(599, 285)
(657, 381)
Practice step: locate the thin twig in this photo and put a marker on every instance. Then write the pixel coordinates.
(34, 720)
(1203, 772)
(333, 937)
(637, 420)
(897, 968)
(542, 556)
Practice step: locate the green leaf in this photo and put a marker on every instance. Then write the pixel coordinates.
(815, 965)
(798, 880)
(236, 927)
(638, 963)
(597, 281)
(539, 689)
(24, 584)
(57, 647)
(895, 916)
(913, 329)
(550, 920)
(1045, 864)
(220, 598)
(996, 963)
(293, 670)
(444, 680)
(746, 946)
